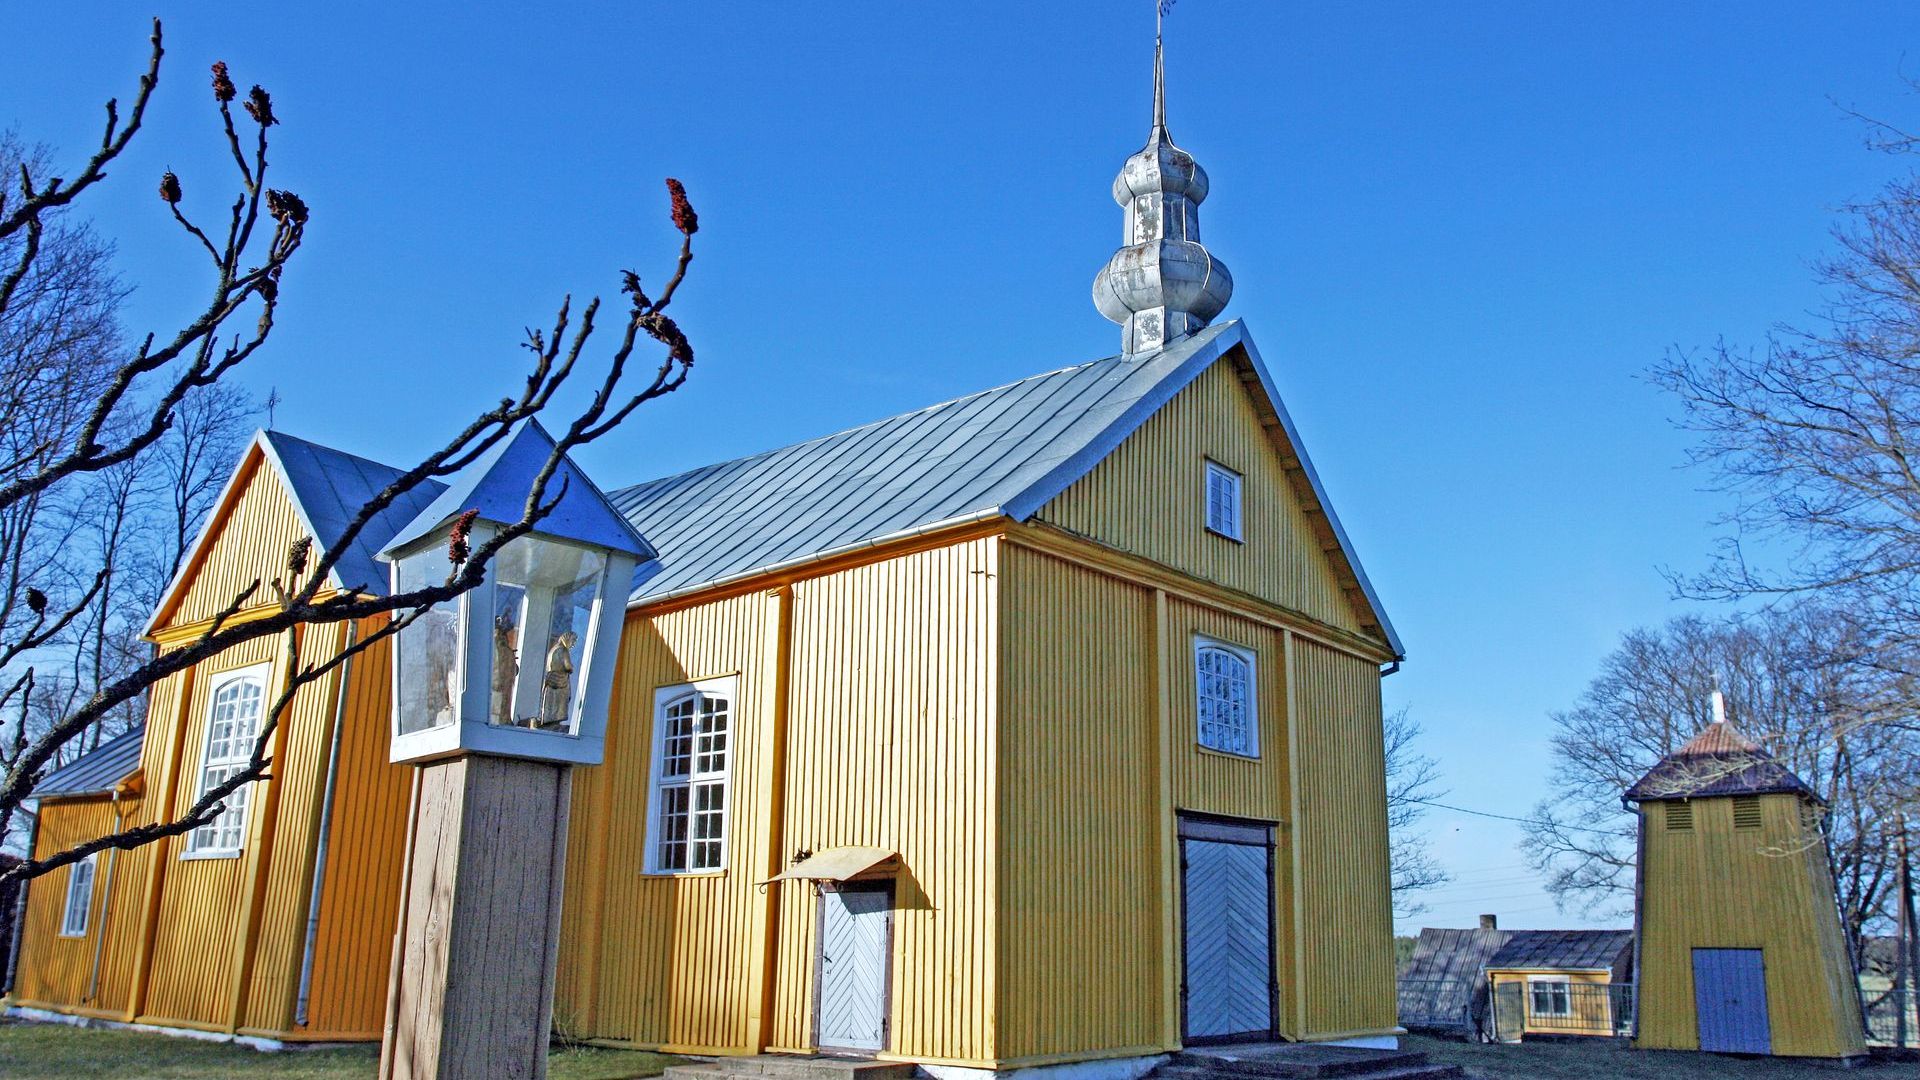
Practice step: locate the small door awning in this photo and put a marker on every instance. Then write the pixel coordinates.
(837, 864)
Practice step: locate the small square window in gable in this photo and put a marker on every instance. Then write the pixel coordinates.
(1223, 501)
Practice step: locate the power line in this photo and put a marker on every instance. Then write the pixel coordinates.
(1536, 822)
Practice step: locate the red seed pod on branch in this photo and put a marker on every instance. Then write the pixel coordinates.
(222, 83)
(169, 188)
(458, 550)
(260, 107)
(286, 206)
(684, 218)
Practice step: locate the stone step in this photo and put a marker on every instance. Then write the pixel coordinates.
(1303, 1061)
(791, 1067)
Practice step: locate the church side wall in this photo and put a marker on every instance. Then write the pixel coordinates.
(888, 670)
(55, 971)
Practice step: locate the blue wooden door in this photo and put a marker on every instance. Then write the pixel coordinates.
(855, 951)
(1229, 939)
(1730, 1001)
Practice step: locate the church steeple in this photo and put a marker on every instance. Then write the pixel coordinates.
(1163, 283)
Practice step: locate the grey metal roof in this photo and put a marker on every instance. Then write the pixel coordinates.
(1001, 452)
(95, 772)
(1004, 451)
(1565, 950)
(1443, 983)
(329, 487)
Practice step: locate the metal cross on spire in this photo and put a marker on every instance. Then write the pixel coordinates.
(1161, 9)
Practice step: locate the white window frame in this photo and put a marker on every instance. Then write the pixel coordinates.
(220, 757)
(1201, 698)
(78, 911)
(1230, 523)
(695, 781)
(1564, 997)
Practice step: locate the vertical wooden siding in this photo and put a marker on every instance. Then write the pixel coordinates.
(1345, 914)
(889, 744)
(1717, 887)
(54, 971)
(1080, 944)
(1257, 789)
(670, 962)
(1148, 498)
(1084, 889)
(360, 892)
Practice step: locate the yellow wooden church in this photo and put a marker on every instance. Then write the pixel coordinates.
(1038, 726)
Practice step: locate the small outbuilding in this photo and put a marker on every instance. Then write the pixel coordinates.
(1562, 982)
(1741, 949)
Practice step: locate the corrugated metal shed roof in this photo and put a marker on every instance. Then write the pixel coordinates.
(1004, 451)
(329, 487)
(1565, 950)
(1443, 983)
(96, 772)
(1719, 761)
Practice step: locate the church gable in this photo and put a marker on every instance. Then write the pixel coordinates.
(246, 537)
(1150, 497)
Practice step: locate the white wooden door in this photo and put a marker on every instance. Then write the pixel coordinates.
(856, 924)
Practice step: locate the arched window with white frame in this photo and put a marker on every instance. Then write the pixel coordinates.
(235, 703)
(1228, 718)
(688, 796)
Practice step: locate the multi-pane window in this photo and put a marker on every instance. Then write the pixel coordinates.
(1223, 500)
(689, 813)
(1550, 997)
(1223, 675)
(233, 723)
(73, 921)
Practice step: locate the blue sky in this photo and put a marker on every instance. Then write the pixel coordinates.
(1461, 233)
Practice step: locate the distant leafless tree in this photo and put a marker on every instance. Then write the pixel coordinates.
(1413, 779)
(1793, 682)
(151, 391)
(1817, 435)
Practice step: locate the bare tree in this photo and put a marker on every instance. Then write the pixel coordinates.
(1413, 780)
(1793, 682)
(1816, 433)
(150, 386)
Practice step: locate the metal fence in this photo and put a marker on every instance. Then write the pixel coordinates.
(1514, 1010)
(1893, 1016)
(1517, 1008)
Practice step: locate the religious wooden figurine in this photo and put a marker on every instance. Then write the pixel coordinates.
(558, 687)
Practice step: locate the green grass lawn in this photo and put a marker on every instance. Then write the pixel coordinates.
(1604, 1059)
(68, 1053)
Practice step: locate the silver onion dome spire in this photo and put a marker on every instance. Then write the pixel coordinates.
(1163, 283)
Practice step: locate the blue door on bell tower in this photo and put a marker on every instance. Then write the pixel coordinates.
(1730, 1001)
